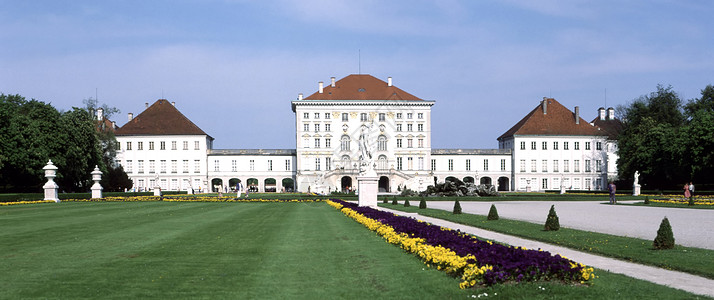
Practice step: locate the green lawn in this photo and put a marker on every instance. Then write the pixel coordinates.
(687, 259)
(231, 250)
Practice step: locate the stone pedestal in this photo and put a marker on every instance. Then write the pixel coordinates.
(636, 190)
(96, 187)
(51, 188)
(368, 188)
(562, 190)
(157, 191)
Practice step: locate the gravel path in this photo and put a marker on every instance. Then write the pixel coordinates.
(691, 227)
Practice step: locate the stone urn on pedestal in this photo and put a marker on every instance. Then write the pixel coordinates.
(51, 187)
(96, 187)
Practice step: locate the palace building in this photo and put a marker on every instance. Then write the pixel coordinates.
(550, 147)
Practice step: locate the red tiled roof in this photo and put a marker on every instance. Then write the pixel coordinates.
(161, 118)
(612, 127)
(558, 120)
(361, 87)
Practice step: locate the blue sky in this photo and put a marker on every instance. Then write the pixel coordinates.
(233, 67)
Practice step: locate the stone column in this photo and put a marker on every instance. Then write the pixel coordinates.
(96, 187)
(51, 187)
(368, 186)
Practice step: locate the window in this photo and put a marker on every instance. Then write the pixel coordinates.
(139, 145)
(433, 164)
(287, 165)
(306, 127)
(317, 143)
(545, 145)
(197, 166)
(151, 145)
(503, 164)
(598, 146)
(306, 143)
(523, 165)
(234, 165)
(576, 165)
(270, 165)
(587, 145)
(544, 183)
(399, 127)
(118, 145)
(327, 127)
(305, 115)
(252, 165)
(409, 115)
(363, 117)
(421, 163)
(382, 117)
(128, 145)
(129, 165)
(185, 166)
(399, 163)
(523, 145)
(409, 143)
(185, 145)
(345, 143)
(451, 164)
(420, 116)
(468, 165)
(587, 166)
(382, 143)
(420, 127)
(485, 164)
(345, 117)
(533, 166)
(196, 145)
(576, 145)
(566, 165)
(555, 165)
(317, 115)
(173, 145)
(533, 145)
(565, 145)
(327, 116)
(545, 165)
(216, 165)
(399, 143)
(152, 167)
(174, 166)
(162, 145)
(328, 163)
(399, 116)
(410, 163)
(327, 143)
(409, 127)
(317, 127)
(555, 145)
(598, 165)
(421, 143)
(141, 167)
(162, 166)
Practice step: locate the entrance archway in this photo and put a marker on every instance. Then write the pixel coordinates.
(451, 179)
(269, 185)
(486, 180)
(503, 184)
(232, 183)
(346, 184)
(252, 184)
(288, 184)
(468, 179)
(384, 184)
(216, 184)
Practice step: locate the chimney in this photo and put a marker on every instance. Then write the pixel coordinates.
(389, 81)
(173, 103)
(577, 115)
(100, 114)
(147, 104)
(545, 105)
(300, 96)
(114, 125)
(601, 113)
(332, 80)
(319, 87)
(131, 116)
(610, 113)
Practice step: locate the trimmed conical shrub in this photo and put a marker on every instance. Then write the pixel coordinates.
(384, 200)
(647, 200)
(552, 223)
(406, 203)
(665, 237)
(457, 207)
(422, 203)
(394, 200)
(492, 213)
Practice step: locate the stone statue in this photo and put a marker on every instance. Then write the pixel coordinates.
(365, 157)
(637, 178)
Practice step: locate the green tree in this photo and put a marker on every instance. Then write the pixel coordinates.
(82, 150)
(698, 135)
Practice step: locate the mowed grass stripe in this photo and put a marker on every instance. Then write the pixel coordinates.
(204, 250)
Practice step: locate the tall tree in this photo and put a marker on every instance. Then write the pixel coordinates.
(698, 136)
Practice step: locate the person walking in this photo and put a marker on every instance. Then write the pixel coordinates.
(239, 189)
(687, 194)
(691, 189)
(611, 187)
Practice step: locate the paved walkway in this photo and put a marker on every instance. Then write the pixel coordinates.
(678, 280)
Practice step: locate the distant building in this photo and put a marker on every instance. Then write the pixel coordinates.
(549, 147)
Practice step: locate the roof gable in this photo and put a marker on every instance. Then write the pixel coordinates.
(361, 87)
(161, 118)
(555, 120)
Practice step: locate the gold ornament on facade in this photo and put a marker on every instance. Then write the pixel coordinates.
(353, 114)
(390, 115)
(335, 114)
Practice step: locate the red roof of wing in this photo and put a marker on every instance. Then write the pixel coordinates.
(558, 120)
(612, 127)
(361, 87)
(161, 118)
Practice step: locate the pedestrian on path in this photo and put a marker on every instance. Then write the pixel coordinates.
(687, 194)
(691, 189)
(612, 188)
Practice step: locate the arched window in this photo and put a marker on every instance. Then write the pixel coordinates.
(345, 161)
(345, 143)
(382, 162)
(382, 143)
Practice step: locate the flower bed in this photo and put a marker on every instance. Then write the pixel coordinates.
(164, 198)
(25, 202)
(475, 261)
(683, 201)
